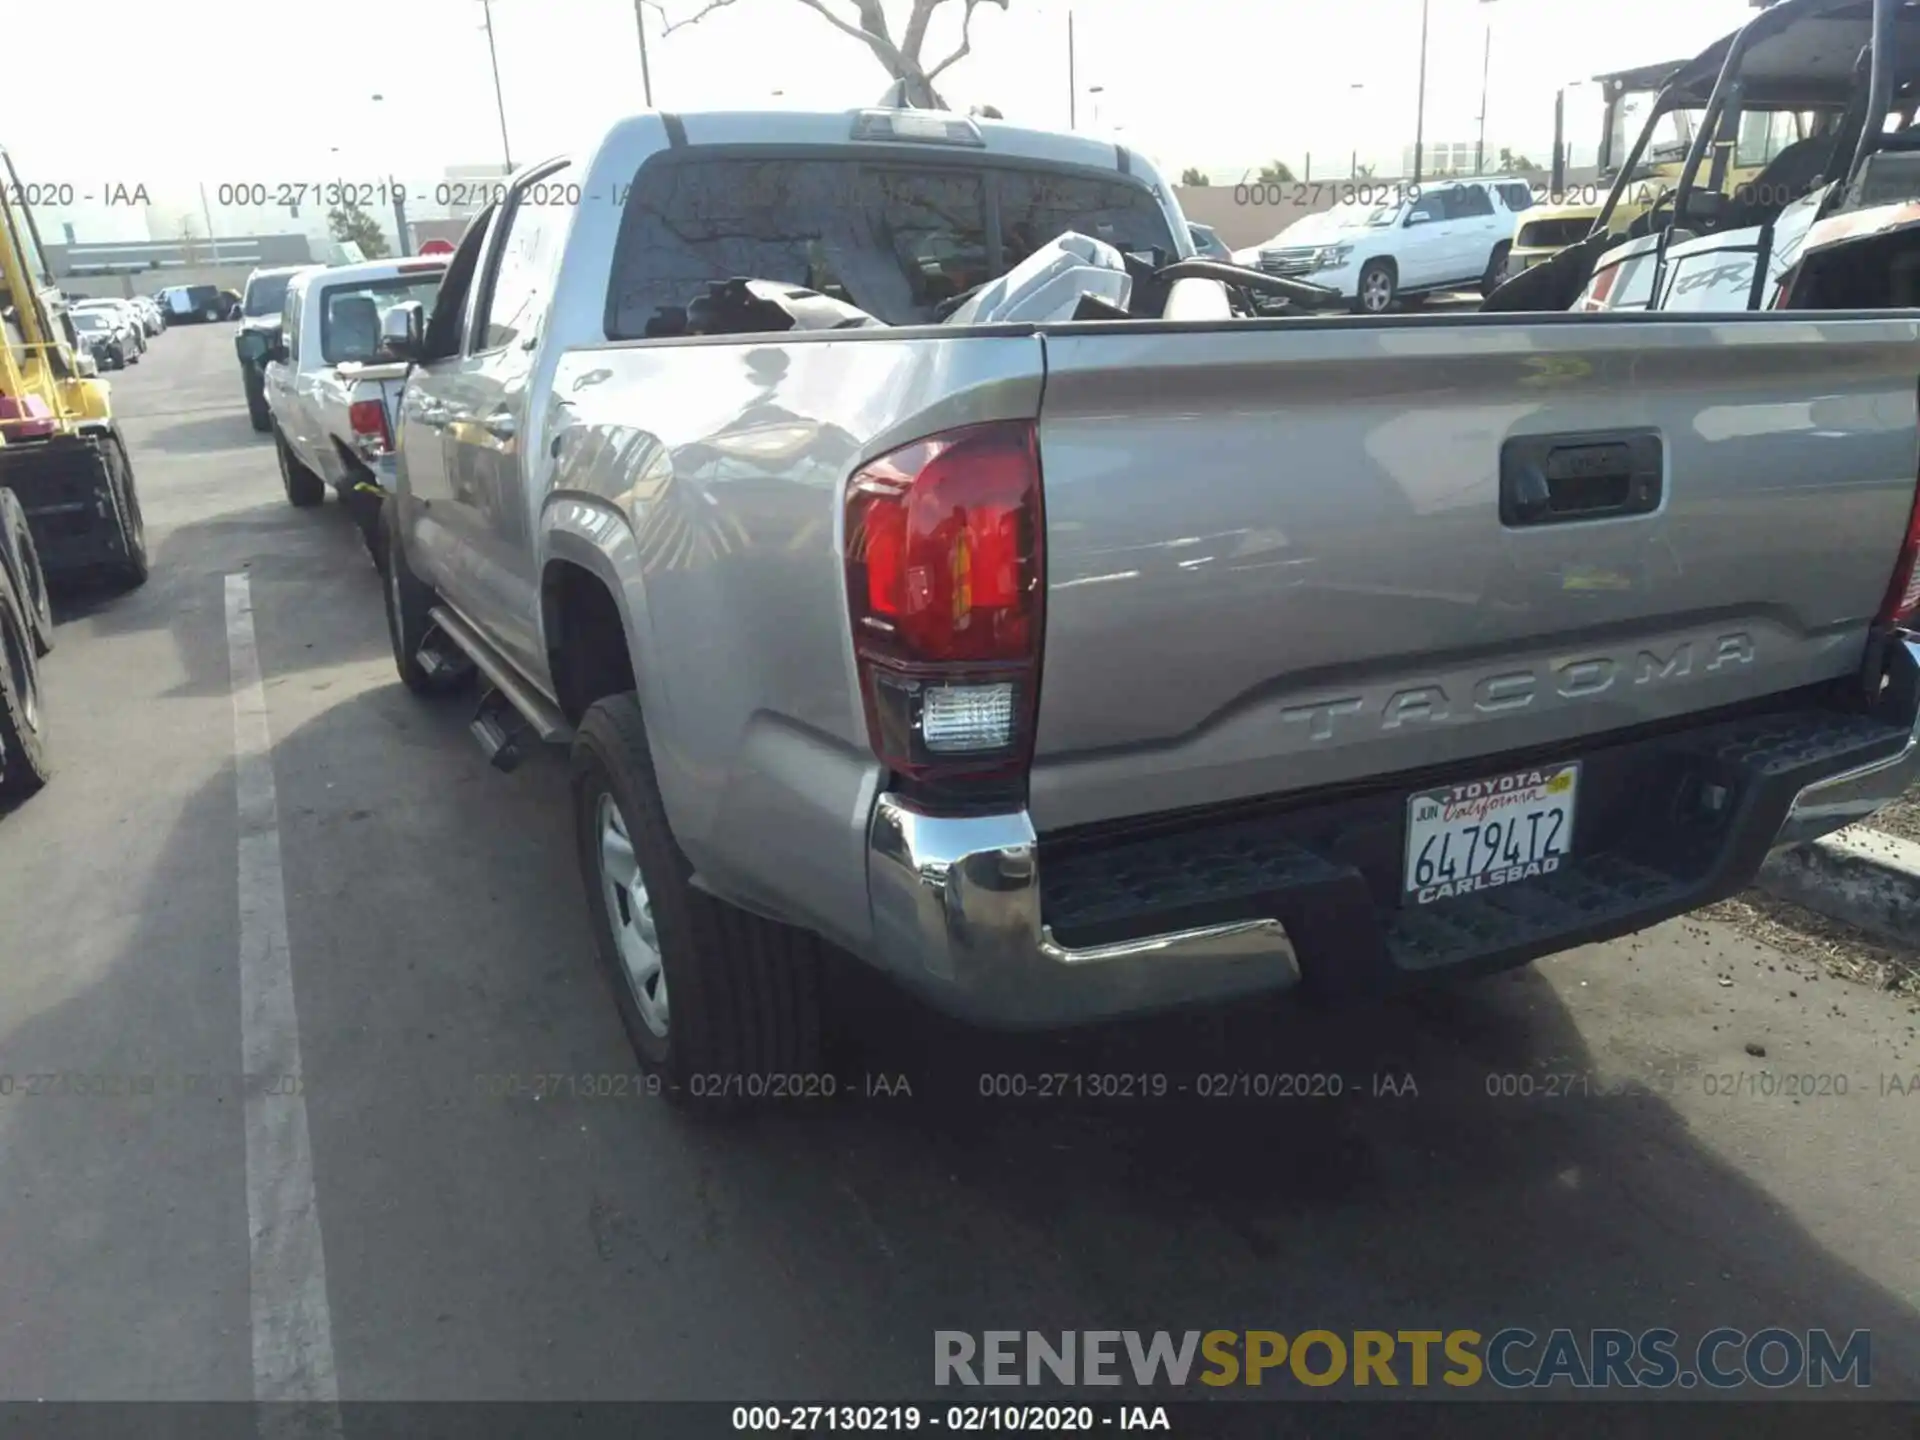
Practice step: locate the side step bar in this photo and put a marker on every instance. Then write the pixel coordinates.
(541, 713)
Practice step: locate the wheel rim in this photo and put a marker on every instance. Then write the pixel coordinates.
(630, 915)
(19, 664)
(1377, 291)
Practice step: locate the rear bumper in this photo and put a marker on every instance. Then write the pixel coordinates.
(989, 922)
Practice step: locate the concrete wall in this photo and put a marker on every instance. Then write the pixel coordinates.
(145, 282)
(169, 255)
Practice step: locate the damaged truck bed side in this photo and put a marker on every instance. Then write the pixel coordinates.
(1071, 669)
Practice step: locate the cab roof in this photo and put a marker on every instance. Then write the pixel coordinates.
(839, 129)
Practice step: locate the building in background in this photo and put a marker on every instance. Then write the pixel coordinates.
(91, 222)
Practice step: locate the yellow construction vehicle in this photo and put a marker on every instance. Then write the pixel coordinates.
(61, 454)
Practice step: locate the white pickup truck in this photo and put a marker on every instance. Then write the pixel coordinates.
(331, 395)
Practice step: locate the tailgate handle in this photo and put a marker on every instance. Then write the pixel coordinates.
(1563, 479)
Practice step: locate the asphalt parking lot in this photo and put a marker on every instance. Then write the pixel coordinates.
(481, 1244)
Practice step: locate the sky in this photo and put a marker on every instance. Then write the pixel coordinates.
(1217, 84)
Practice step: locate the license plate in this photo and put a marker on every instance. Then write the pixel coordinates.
(1463, 839)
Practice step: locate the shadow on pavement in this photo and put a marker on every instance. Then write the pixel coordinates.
(205, 434)
(325, 557)
(813, 1249)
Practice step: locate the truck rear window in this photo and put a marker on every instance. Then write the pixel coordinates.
(350, 314)
(895, 239)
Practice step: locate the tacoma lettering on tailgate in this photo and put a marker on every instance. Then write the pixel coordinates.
(1506, 691)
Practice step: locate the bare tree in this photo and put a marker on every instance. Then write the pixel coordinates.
(903, 57)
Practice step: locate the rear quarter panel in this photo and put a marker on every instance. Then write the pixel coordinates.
(710, 475)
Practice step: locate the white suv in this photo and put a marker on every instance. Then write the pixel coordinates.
(1444, 235)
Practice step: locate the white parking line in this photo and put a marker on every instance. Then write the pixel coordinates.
(292, 1331)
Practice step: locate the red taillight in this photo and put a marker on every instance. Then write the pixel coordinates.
(1903, 595)
(369, 421)
(944, 542)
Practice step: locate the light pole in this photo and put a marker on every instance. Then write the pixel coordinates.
(404, 246)
(1486, 71)
(1420, 116)
(1073, 83)
(1096, 91)
(1356, 89)
(499, 100)
(646, 74)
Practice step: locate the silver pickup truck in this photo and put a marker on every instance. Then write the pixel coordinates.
(1076, 669)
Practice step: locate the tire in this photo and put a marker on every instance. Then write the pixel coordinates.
(410, 601)
(210, 314)
(256, 391)
(1496, 269)
(30, 581)
(129, 572)
(23, 741)
(1378, 289)
(745, 992)
(304, 488)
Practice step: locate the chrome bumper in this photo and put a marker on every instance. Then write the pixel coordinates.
(956, 916)
(1853, 796)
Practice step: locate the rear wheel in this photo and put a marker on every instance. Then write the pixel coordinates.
(716, 1002)
(32, 586)
(257, 411)
(210, 314)
(130, 570)
(304, 488)
(23, 745)
(1496, 268)
(1379, 286)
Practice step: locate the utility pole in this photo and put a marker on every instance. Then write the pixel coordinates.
(499, 100)
(1073, 82)
(1420, 119)
(1486, 72)
(1557, 184)
(207, 210)
(646, 74)
(399, 207)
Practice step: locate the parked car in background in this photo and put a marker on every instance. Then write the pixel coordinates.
(126, 321)
(332, 394)
(199, 304)
(259, 336)
(104, 339)
(1208, 244)
(1406, 242)
(155, 317)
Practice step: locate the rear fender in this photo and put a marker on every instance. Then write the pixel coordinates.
(593, 533)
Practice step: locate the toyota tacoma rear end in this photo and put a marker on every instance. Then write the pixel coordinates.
(1072, 668)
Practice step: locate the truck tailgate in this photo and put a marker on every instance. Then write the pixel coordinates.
(1277, 557)
(386, 381)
